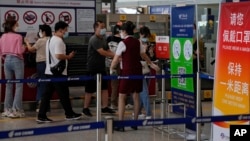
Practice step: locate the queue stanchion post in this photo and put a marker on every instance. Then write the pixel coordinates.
(98, 104)
(163, 94)
(175, 131)
(198, 106)
(109, 128)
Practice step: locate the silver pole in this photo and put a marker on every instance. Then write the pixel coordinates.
(109, 128)
(198, 98)
(98, 104)
(163, 95)
(198, 107)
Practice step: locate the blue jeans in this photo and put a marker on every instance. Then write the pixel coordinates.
(13, 68)
(40, 66)
(144, 98)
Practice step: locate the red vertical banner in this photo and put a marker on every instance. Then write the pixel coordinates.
(232, 75)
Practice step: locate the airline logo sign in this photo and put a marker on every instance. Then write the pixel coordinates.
(162, 47)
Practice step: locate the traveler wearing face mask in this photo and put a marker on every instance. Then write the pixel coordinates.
(96, 64)
(39, 47)
(12, 49)
(144, 95)
(56, 51)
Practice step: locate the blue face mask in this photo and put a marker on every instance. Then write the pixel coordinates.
(66, 35)
(103, 32)
(144, 40)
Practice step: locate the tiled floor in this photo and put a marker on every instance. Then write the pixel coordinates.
(144, 133)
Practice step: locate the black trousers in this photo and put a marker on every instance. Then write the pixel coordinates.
(62, 90)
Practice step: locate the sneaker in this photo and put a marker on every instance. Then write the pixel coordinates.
(43, 120)
(107, 110)
(141, 116)
(113, 107)
(86, 112)
(73, 117)
(129, 107)
(17, 114)
(148, 117)
(38, 106)
(6, 113)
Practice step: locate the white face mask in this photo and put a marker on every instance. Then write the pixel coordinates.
(66, 35)
(16, 29)
(122, 35)
(103, 31)
(40, 34)
(144, 40)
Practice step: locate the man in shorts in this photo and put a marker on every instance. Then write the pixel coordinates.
(96, 64)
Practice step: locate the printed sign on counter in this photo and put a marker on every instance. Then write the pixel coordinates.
(162, 47)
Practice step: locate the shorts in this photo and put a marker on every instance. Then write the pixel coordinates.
(90, 86)
(128, 86)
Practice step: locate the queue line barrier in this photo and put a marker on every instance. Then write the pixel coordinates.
(85, 78)
(126, 123)
(99, 124)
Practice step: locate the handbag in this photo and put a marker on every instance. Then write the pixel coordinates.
(59, 67)
(145, 68)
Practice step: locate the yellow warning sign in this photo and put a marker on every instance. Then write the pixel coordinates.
(152, 18)
(123, 17)
(207, 94)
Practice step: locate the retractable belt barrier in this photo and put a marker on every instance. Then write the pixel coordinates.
(98, 125)
(84, 78)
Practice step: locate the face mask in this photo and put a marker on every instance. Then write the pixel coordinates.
(103, 32)
(40, 34)
(144, 40)
(16, 29)
(122, 35)
(66, 35)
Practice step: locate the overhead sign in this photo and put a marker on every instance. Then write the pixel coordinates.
(79, 14)
(164, 9)
(50, 3)
(33, 17)
(182, 20)
(232, 77)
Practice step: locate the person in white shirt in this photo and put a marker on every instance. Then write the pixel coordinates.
(55, 52)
